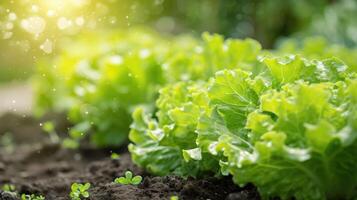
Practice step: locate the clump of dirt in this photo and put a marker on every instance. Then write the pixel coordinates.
(49, 170)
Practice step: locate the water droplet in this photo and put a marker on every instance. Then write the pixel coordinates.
(12, 16)
(116, 60)
(144, 53)
(51, 13)
(80, 21)
(7, 35)
(112, 20)
(47, 46)
(9, 25)
(63, 23)
(34, 8)
(34, 25)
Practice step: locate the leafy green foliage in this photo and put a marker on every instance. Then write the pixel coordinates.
(79, 190)
(99, 82)
(319, 48)
(284, 123)
(304, 144)
(128, 179)
(289, 130)
(31, 197)
(296, 140)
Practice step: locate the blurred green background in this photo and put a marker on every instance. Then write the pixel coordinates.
(32, 30)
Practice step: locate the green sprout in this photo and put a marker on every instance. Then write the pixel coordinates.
(115, 156)
(79, 190)
(8, 188)
(31, 197)
(129, 179)
(76, 134)
(174, 198)
(7, 142)
(49, 128)
(69, 143)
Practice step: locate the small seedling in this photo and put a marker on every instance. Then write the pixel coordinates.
(79, 190)
(8, 188)
(49, 128)
(174, 198)
(129, 179)
(7, 143)
(31, 197)
(69, 143)
(115, 156)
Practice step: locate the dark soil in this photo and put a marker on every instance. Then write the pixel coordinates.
(36, 166)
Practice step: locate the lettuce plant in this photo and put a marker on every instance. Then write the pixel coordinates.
(165, 143)
(297, 139)
(100, 80)
(299, 143)
(290, 130)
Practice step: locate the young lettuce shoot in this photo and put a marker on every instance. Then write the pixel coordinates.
(128, 179)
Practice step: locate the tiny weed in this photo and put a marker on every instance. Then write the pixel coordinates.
(129, 179)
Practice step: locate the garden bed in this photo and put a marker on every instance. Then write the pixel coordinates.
(38, 167)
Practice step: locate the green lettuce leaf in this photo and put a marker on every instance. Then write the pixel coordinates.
(167, 144)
